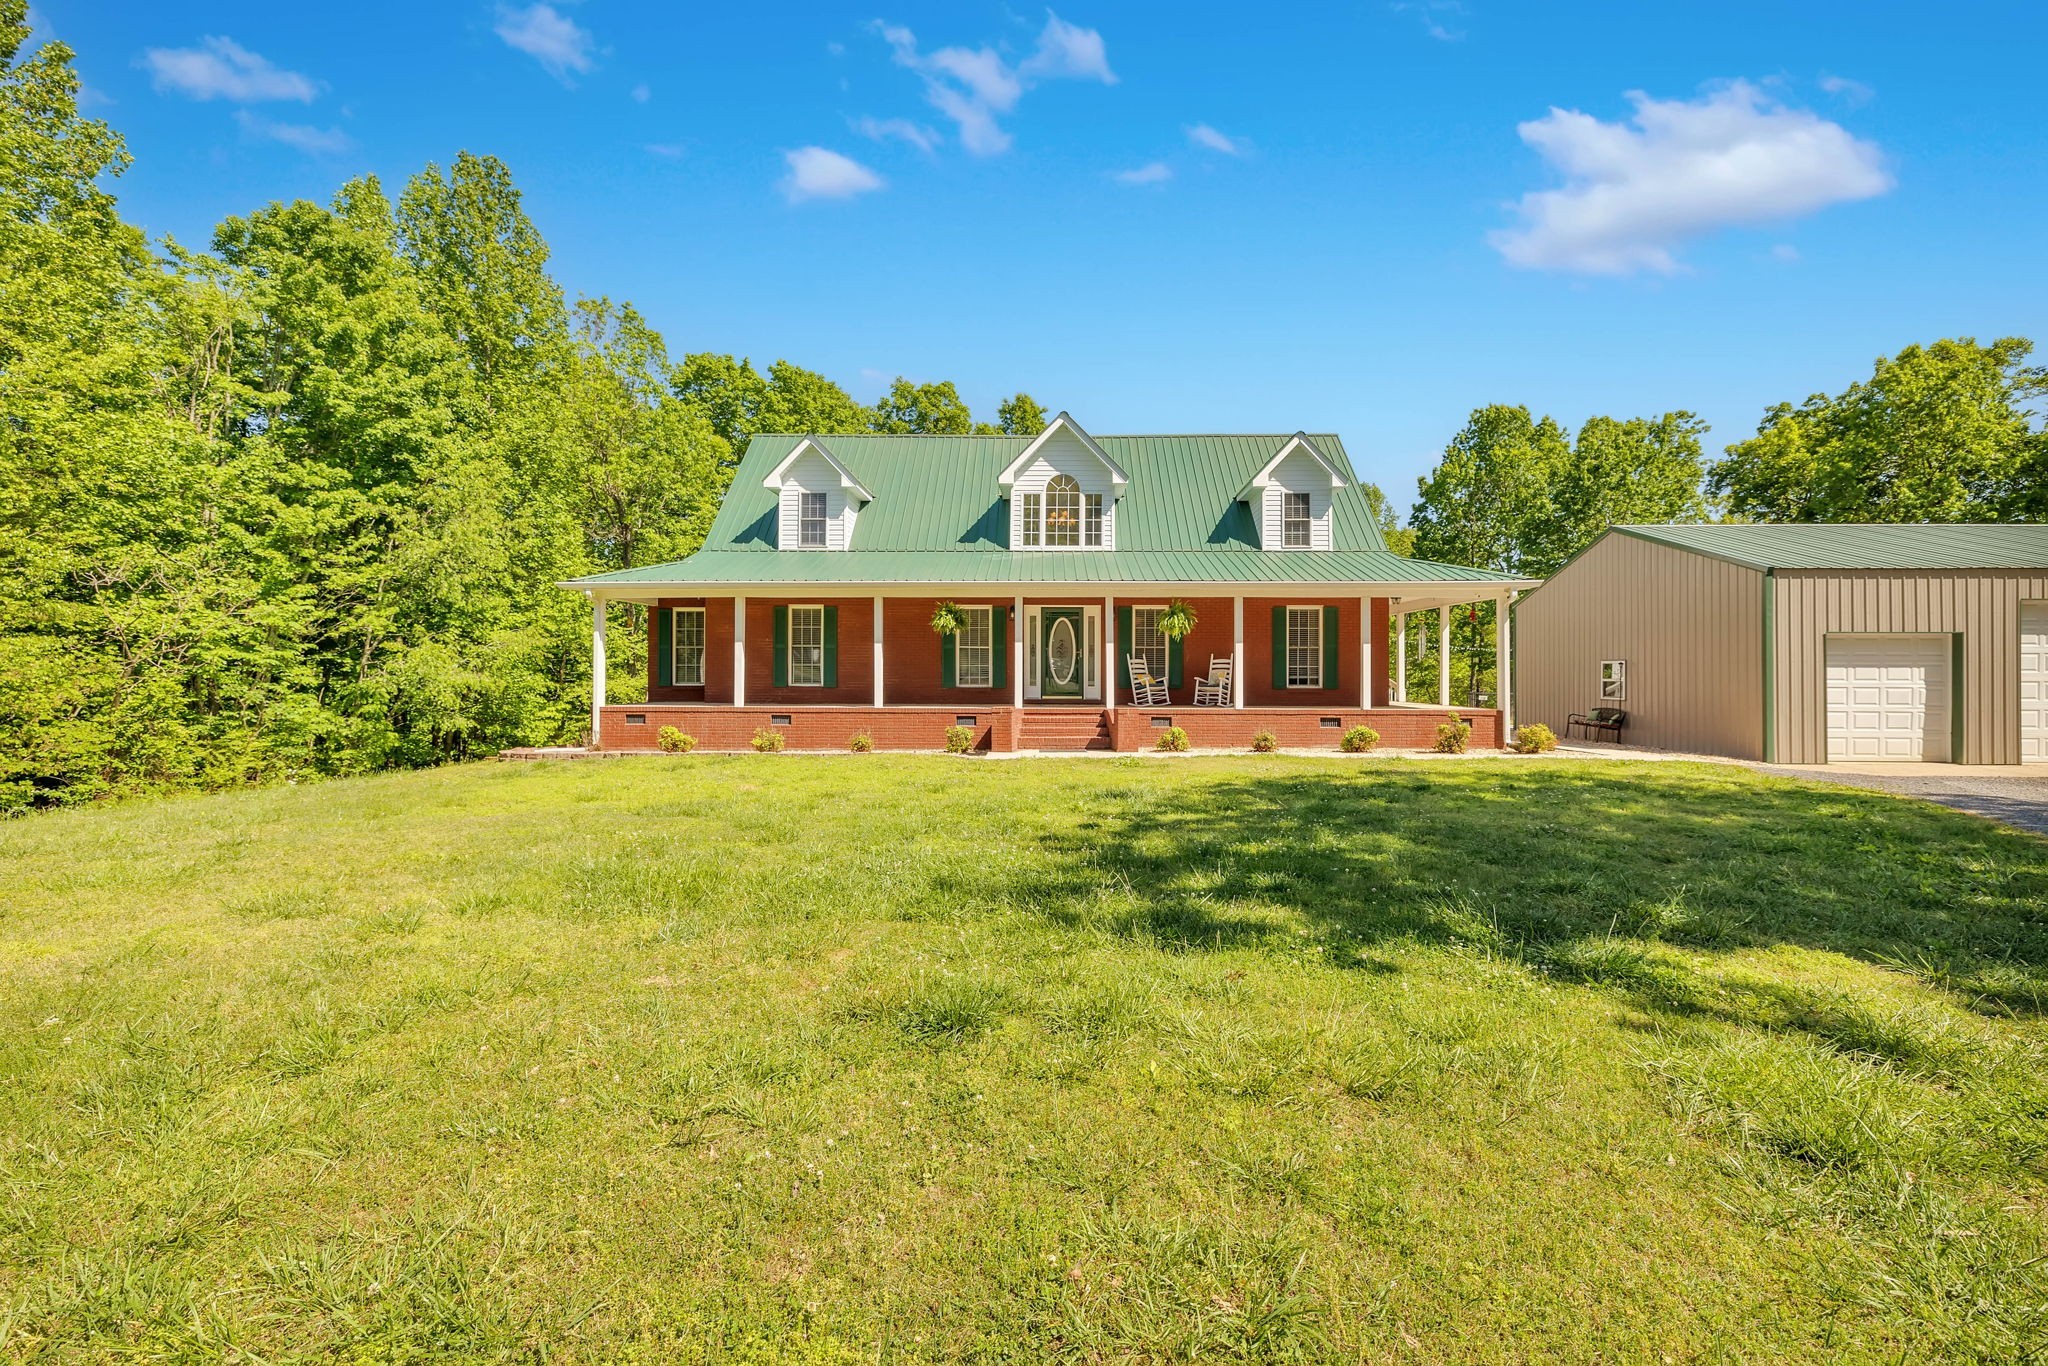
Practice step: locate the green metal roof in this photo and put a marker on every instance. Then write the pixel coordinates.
(938, 516)
(1858, 545)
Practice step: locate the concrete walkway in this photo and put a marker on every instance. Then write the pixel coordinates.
(2013, 795)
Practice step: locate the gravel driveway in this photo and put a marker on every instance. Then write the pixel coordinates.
(2018, 802)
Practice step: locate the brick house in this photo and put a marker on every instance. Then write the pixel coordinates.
(810, 607)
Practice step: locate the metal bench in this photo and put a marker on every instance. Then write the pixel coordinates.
(1608, 720)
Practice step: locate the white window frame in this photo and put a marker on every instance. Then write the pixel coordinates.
(1288, 522)
(964, 651)
(1614, 680)
(804, 520)
(1091, 521)
(1314, 676)
(1144, 649)
(1063, 502)
(1033, 509)
(678, 644)
(807, 608)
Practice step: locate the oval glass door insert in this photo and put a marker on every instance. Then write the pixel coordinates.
(1059, 651)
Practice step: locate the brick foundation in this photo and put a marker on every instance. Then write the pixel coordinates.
(996, 728)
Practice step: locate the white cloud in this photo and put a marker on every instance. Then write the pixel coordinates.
(1437, 17)
(1855, 92)
(221, 68)
(973, 86)
(668, 151)
(303, 136)
(1068, 52)
(1678, 169)
(550, 37)
(820, 173)
(881, 130)
(1151, 173)
(1202, 135)
(641, 94)
(1785, 252)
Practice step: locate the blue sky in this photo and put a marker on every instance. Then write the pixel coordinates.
(1367, 218)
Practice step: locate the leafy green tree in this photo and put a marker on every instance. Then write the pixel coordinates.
(739, 402)
(1399, 539)
(1489, 501)
(1620, 471)
(925, 409)
(1939, 433)
(1017, 415)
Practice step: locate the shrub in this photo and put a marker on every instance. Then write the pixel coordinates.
(861, 743)
(959, 739)
(1534, 738)
(1173, 739)
(1264, 742)
(1452, 734)
(1359, 739)
(673, 741)
(768, 740)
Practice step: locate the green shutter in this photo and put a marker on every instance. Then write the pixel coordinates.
(999, 644)
(946, 644)
(1279, 647)
(664, 647)
(781, 679)
(831, 647)
(1123, 645)
(1330, 674)
(1174, 654)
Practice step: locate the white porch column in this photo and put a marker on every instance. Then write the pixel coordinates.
(1365, 654)
(1503, 674)
(739, 652)
(1400, 656)
(1237, 653)
(878, 652)
(1017, 653)
(1443, 656)
(597, 669)
(1109, 645)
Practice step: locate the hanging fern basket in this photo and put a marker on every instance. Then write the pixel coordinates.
(1177, 621)
(948, 619)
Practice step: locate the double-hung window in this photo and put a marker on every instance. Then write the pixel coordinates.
(1148, 642)
(1091, 521)
(974, 664)
(1304, 647)
(689, 647)
(807, 647)
(1294, 521)
(811, 522)
(1033, 509)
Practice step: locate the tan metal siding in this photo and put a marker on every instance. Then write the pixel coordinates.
(1690, 627)
(1983, 605)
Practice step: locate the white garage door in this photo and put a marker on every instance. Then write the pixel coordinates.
(1887, 698)
(2034, 683)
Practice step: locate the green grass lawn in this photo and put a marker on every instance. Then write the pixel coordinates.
(897, 1059)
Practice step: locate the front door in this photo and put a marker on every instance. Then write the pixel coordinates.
(1060, 650)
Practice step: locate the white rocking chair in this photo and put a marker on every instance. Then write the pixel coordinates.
(1214, 691)
(1146, 691)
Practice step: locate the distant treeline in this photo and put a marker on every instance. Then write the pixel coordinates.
(296, 505)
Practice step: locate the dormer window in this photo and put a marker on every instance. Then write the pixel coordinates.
(1296, 519)
(811, 523)
(1063, 488)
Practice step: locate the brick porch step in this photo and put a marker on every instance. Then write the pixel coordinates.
(1062, 729)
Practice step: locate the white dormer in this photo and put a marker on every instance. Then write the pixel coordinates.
(818, 499)
(1063, 491)
(1291, 497)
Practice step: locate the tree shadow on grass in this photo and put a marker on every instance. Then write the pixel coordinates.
(1543, 862)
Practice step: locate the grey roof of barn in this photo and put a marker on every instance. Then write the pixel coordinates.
(938, 516)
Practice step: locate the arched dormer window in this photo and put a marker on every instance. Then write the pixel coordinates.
(1062, 511)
